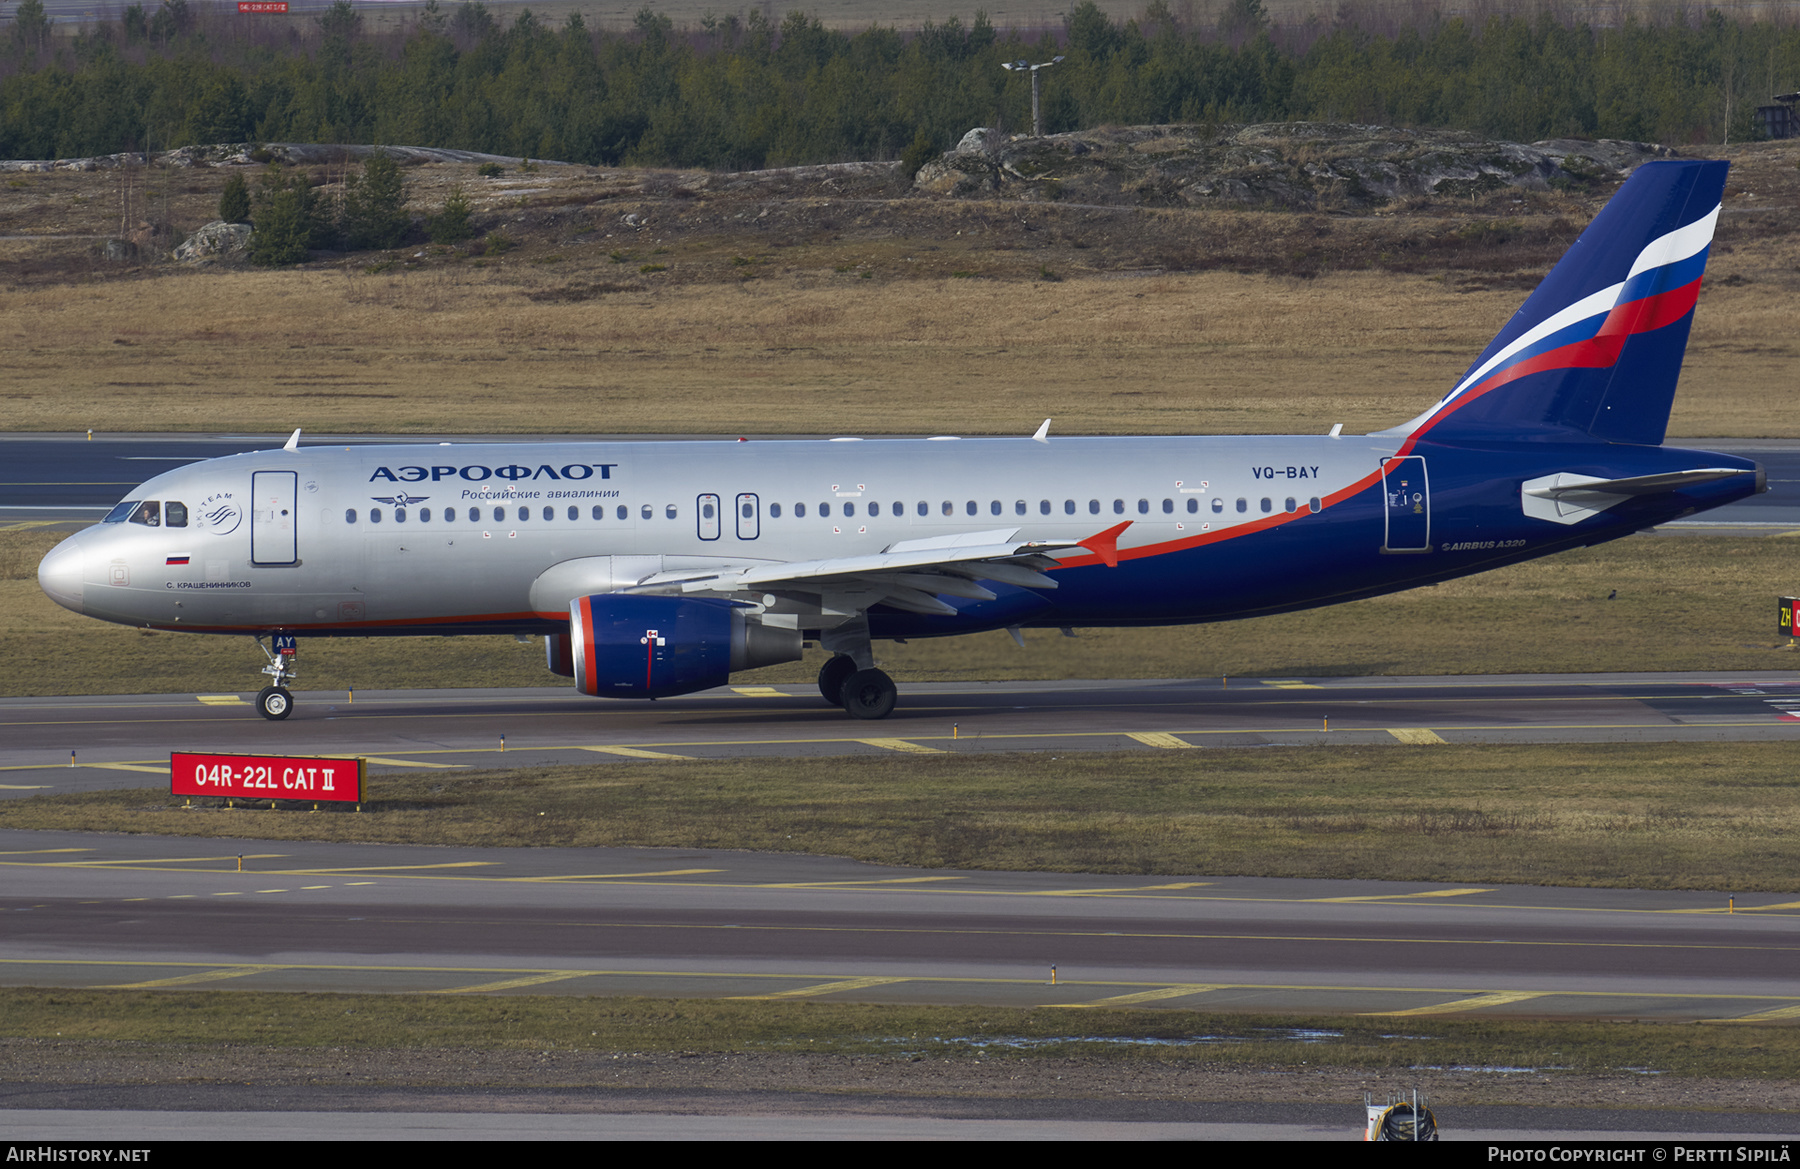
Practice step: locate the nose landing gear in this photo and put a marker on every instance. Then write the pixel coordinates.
(274, 702)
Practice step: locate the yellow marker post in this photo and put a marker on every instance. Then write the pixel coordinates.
(1327, 721)
(503, 744)
(71, 758)
(955, 729)
(240, 864)
(351, 700)
(1053, 976)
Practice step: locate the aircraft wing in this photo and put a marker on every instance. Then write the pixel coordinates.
(910, 574)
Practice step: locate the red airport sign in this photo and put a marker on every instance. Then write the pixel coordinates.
(277, 6)
(266, 777)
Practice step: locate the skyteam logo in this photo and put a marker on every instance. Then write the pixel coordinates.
(220, 513)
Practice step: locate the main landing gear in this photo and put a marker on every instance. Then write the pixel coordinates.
(866, 694)
(274, 702)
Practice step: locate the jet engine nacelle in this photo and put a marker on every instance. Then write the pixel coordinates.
(629, 646)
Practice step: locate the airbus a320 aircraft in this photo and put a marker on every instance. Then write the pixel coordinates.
(656, 569)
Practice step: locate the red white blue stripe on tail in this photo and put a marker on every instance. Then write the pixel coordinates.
(1595, 352)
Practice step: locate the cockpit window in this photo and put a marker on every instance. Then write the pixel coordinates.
(119, 512)
(149, 513)
(174, 515)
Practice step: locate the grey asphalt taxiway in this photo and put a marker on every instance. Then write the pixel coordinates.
(51, 745)
(86, 910)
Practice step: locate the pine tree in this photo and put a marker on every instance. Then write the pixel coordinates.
(281, 230)
(451, 225)
(30, 27)
(375, 205)
(234, 204)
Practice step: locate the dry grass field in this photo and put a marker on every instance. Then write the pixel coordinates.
(1690, 603)
(867, 1055)
(626, 301)
(1666, 815)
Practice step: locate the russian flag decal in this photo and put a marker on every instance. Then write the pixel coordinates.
(177, 560)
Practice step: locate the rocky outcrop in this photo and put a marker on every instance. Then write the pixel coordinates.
(1298, 165)
(251, 153)
(215, 241)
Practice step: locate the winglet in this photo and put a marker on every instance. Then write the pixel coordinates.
(1105, 544)
(1043, 433)
(293, 442)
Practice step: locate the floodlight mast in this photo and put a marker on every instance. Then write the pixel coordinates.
(1037, 122)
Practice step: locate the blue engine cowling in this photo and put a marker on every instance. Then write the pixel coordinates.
(628, 646)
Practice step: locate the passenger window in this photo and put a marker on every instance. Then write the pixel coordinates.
(374, 515)
(424, 515)
(349, 515)
(1218, 505)
(800, 511)
(924, 508)
(1290, 505)
(874, 508)
(1268, 505)
(149, 513)
(1019, 507)
(1068, 507)
(1118, 507)
(1243, 505)
(949, 508)
(1143, 507)
(524, 514)
(499, 515)
(775, 511)
(1193, 505)
(1093, 507)
(1168, 507)
(399, 515)
(647, 512)
(549, 513)
(574, 512)
(1043, 507)
(899, 509)
(474, 515)
(175, 514)
(670, 511)
(624, 513)
(1312, 505)
(972, 507)
(706, 511)
(748, 510)
(994, 507)
(824, 511)
(849, 509)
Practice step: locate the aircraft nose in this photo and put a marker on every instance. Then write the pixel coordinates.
(59, 574)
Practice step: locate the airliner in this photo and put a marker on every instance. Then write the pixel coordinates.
(656, 569)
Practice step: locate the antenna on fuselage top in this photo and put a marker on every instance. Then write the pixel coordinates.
(1043, 432)
(293, 442)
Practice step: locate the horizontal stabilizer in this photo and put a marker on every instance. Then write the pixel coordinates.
(1567, 498)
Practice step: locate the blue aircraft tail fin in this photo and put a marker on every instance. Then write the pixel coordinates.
(1596, 351)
